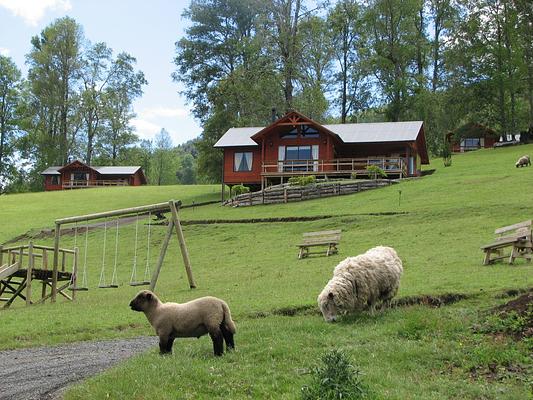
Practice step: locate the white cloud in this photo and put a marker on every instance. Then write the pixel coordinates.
(4, 52)
(32, 11)
(145, 129)
(164, 112)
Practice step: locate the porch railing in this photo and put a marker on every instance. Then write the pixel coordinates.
(356, 166)
(94, 183)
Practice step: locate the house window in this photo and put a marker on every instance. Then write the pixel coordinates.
(79, 176)
(54, 180)
(296, 158)
(243, 162)
(292, 134)
(298, 153)
(471, 143)
(308, 132)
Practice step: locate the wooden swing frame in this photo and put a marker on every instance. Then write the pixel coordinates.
(174, 224)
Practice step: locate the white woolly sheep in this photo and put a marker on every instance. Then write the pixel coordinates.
(523, 161)
(193, 319)
(360, 283)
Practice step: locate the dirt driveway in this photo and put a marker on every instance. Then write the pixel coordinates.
(45, 372)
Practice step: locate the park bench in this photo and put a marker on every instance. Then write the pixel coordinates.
(517, 237)
(324, 238)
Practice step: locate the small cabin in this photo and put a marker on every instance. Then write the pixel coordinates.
(77, 175)
(296, 145)
(471, 136)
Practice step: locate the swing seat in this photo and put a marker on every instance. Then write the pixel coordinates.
(78, 289)
(108, 286)
(141, 283)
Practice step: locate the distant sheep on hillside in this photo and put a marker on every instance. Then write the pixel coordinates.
(523, 161)
(360, 283)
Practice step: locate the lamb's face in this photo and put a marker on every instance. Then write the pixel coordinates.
(142, 301)
(329, 308)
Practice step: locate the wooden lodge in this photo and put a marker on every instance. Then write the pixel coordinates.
(471, 136)
(296, 145)
(77, 175)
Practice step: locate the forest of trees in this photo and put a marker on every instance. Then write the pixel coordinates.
(446, 62)
(76, 103)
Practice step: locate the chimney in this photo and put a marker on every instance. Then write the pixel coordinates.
(273, 117)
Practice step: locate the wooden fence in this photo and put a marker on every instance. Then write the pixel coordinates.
(286, 193)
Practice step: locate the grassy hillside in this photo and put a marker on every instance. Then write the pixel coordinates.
(414, 352)
(20, 213)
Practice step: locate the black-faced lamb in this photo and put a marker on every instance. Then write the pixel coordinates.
(362, 282)
(193, 319)
(523, 161)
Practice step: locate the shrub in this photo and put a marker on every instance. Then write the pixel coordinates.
(302, 180)
(336, 378)
(374, 171)
(240, 189)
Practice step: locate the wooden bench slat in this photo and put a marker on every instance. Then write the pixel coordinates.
(323, 233)
(524, 224)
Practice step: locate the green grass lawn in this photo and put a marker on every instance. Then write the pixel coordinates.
(413, 352)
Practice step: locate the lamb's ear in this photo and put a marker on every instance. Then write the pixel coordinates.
(149, 296)
(330, 295)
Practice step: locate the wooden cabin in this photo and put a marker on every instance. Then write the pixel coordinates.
(77, 175)
(471, 136)
(296, 145)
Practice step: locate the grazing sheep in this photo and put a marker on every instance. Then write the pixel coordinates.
(523, 161)
(360, 283)
(193, 319)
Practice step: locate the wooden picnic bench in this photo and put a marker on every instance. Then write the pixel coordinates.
(324, 238)
(517, 237)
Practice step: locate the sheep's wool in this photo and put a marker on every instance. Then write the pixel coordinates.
(360, 283)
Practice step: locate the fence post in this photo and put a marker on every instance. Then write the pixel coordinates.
(29, 273)
(56, 263)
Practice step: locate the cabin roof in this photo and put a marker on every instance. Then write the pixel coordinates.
(117, 170)
(113, 170)
(239, 137)
(51, 171)
(375, 132)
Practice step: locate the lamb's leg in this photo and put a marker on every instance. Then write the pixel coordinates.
(218, 342)
(165, 344)
(228, 337)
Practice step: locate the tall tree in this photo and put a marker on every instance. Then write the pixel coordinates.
(351, 79)
(285, 16)
(314, 76)
(54, 71)
(10, 80)
(443, 15)
(392, 50)
(215, 45)
(162, 159)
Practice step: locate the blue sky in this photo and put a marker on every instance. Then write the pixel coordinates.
(147, 29)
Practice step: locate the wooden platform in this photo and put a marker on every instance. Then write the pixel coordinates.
(23, 266)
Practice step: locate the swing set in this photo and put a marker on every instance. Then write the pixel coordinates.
(127, 215)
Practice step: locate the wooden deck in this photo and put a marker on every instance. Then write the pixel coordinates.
(354, 167)
(21, 265)
(96, 183)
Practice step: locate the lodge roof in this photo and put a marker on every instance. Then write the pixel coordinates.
(113, 170)
(375, 132)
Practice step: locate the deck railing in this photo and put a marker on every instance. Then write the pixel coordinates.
(94, 183)
(339, 166)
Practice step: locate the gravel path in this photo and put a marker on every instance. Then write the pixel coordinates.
(44, 372)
